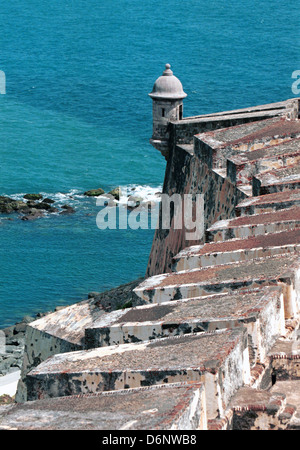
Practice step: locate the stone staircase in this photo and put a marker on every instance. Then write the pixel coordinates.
(216, 344)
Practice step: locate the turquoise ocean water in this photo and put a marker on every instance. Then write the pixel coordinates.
(76, 116)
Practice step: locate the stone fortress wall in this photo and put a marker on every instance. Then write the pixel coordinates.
(216, 343)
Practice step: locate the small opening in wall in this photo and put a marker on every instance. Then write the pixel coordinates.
(163, 112)
(180, 112)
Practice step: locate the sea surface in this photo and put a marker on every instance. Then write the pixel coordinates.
(76, 116)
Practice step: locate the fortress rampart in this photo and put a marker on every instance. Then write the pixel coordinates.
(216, 343)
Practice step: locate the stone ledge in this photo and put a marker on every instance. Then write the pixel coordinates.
(218, 359)
(269, 202)
(215, 147)
(254, 225)
(280, 269)
(276, 180)
(242, 167)
(236, 250)
(260, 311)
(165, 407)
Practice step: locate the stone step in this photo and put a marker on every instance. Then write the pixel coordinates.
(261, 311)
(254, 225)
(235, 250)
(178, 406)
(268, 202)
(64, 330)
(242, 167)
(285, 359)
(215, 147)
(276, 180)
(59, 332)
(219, 360)
(281, 269)
(255, 409)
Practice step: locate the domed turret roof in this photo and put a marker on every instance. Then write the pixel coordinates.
(167, 86)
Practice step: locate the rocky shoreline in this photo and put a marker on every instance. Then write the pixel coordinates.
(32, 206)
(11, 360)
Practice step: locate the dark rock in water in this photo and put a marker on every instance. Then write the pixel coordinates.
(31, 204)
(109, 200)
(52, 209)
(44, 205)
(33, 214)
(133, 202)
(18, 205)
(33, 196)
(48, 200)
(116, 193)
(4, 199)
(94, 192)
(6, 208)
(67, 209)
(9, 205)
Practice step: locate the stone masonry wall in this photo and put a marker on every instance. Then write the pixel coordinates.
(186, 174)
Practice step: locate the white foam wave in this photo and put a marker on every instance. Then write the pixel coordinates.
(74, 196)
(146, 192)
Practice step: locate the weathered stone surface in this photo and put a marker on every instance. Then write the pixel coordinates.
(281, 269)
(178, 406)
(261, 311)
(215, 147)
(184, 130)
(255, 409)
(242, 167)
(291, 414)
(285, 357)
(219, 359)
(254, 225)
(276, 180)
(64, 330)
(235, 250)
(268, 202)
(249, 277)
(188, 175)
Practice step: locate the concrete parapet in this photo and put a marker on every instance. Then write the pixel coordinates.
(178, 406)
(281, 269)
(268, 202)
(235, 250)
(254, 225)
(219, 359)
(242, 167)
(185, 129)
(276, 180)
(58, 332)
(261, 311)
(215, 147)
